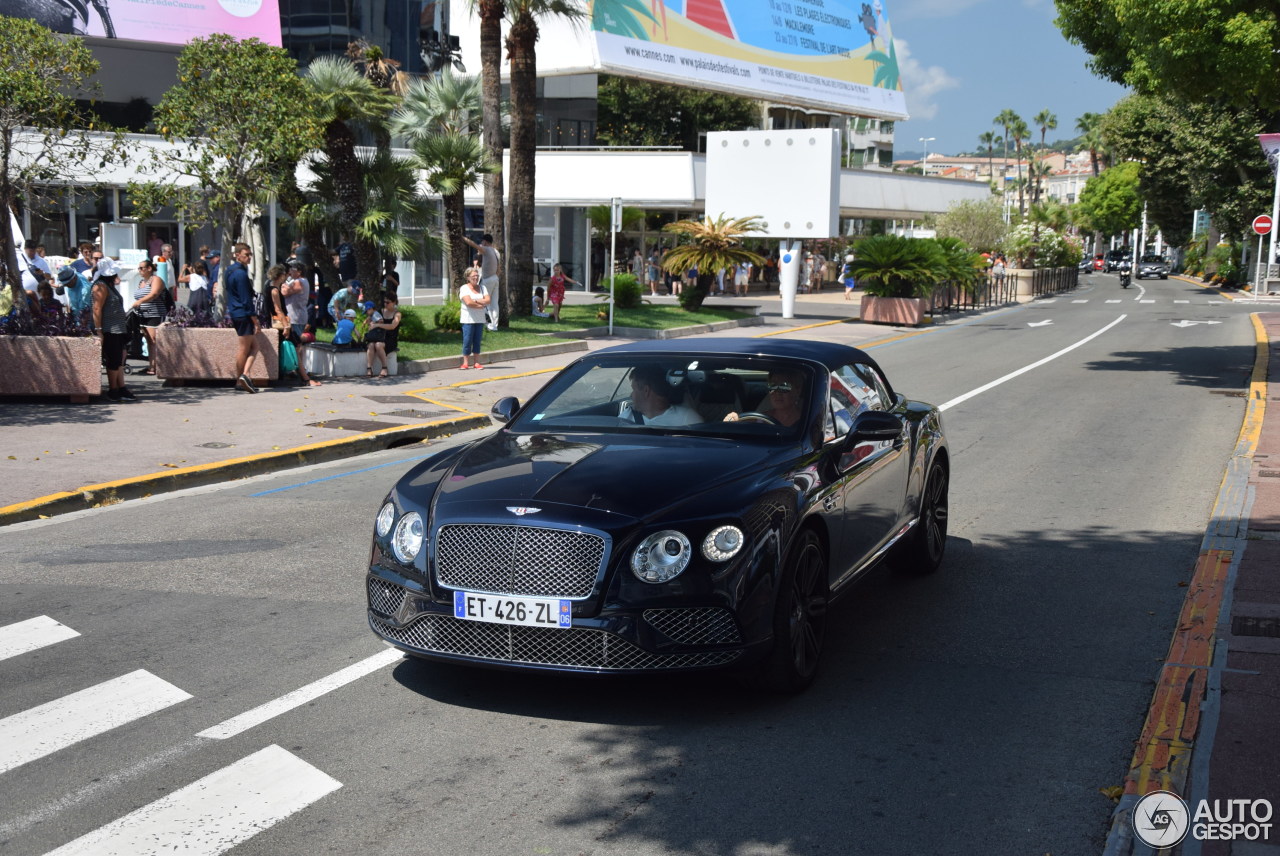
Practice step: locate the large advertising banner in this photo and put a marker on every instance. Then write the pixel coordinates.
(173, 22)
(828, 54)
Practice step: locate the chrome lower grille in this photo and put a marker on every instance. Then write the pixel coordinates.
(524, 560)
(576, 647)
(696, 626)
(384, 597)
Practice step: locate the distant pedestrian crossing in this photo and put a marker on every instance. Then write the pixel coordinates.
(206, 817)
(1209, 302)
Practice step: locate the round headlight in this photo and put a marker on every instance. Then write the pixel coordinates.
(661, 556)
(408, 538)
(722, 543)
(386, 517)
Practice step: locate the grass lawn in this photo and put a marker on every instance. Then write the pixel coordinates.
(526, 332)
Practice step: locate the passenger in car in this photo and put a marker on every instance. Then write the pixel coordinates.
(656, 400)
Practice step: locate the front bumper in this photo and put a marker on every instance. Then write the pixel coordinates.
(616, 641)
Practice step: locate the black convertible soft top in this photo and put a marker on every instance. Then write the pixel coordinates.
(828, 354)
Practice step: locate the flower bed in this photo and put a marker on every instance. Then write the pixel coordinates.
(51, 365)
(209, 353)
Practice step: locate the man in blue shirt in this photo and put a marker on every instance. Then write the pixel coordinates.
(243, 318)
(77, 289)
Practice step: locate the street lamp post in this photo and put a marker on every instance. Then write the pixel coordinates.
(924, 162)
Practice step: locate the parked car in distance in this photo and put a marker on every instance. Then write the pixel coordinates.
(1115, 257)
(664, 506)
(1086, 265)
(1099, 262)
(1152, 265)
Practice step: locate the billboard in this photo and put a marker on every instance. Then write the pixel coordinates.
(173, 22)
(828, 54)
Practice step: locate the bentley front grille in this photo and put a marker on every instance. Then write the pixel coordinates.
(696, 626)
(384, 597)
(525, 560)
(575, 647)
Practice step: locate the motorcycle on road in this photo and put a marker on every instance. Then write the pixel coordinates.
(1125, 275)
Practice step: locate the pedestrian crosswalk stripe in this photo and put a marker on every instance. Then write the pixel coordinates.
(214, 814)
(37, 732)
(31, 634)
(1182, 301)
(1047, 302)
(1079, 301)
(1113, 301)
(1216, 302)
(1146, 301)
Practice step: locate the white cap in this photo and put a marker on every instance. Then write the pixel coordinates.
(106, 267)
(350, 313)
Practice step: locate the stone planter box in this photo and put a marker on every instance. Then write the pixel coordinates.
(51, 365)
(324, 360)
(899, 311)
(209, 353)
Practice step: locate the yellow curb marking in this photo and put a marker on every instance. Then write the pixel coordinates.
(805, 327)
(1168, 734)
(1204, 285)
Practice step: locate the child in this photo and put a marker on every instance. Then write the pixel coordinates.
(346, 328)
(539, 304)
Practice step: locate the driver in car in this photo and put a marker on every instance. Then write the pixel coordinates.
(783, 402)
(654, 401)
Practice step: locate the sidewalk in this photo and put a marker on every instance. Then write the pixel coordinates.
(59, 457)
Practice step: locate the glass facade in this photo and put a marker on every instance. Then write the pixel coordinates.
(312, 28)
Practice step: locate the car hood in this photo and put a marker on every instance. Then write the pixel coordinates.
(637, 477)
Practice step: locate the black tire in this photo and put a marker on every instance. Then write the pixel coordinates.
(922, 551)
(799, 620)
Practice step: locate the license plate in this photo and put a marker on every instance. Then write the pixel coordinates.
(511, 609)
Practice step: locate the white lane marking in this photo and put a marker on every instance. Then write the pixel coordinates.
(1079, 301)
(1011, 375)
(1185, 323)
(298, 697)
(1047, 302)
(1182, 301)
(1113, 301)
(62, 722)
(214, 814)
(32, 634)
(1216, 302)
(1039, 323)
(1146, 301)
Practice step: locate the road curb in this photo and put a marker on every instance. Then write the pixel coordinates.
(436, 364)
(138, 487)
(1171, 732)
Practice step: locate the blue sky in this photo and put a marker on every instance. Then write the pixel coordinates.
(967, 60)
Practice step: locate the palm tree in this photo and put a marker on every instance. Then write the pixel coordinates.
(1036, 171)
(1006, 120)
(522, 40)
(1090, 127)
(709, 245)
(344, 98)
(1046, 122)
(439, 118)
(988, 139)
(600, 219)
(492, 13)
(1020, 132)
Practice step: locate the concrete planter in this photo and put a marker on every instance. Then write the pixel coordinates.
(899, 311)
(209, 353)
(324, 360)
(51, 365)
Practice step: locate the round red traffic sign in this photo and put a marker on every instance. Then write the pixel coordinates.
(1262, 224)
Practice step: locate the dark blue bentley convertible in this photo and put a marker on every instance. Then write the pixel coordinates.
(675, 505)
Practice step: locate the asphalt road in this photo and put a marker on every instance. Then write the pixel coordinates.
(974, 712)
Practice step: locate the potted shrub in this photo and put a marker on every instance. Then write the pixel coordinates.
(49, 353)
(897, 276)
(202, 346)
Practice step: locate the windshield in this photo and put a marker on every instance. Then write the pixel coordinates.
(716, 396)
(1153, 259)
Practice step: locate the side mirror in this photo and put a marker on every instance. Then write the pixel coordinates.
(504, 409)
(875, 426)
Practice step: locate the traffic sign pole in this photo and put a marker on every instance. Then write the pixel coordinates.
(1262, 225)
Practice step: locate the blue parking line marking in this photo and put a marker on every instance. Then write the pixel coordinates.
(339, 475)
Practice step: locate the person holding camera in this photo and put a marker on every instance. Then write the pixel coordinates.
(35, 269)
(195, 277)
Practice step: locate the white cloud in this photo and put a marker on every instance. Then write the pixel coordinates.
(921, 85)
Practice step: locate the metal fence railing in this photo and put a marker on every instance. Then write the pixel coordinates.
(1046, 281)
(991, 291)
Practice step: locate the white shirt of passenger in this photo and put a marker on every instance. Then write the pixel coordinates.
(676, 414)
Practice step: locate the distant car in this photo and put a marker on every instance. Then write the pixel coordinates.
(587, 535)
(1115, 257)
(1099, 263)
(1153, 266)
(1086, 265)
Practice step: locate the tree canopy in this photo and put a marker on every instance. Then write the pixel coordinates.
(635, 112)
(240, 117)
(1198, 49)
(1110, 202)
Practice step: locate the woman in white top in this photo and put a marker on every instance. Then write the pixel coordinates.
(196, 277)
(475, 300)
